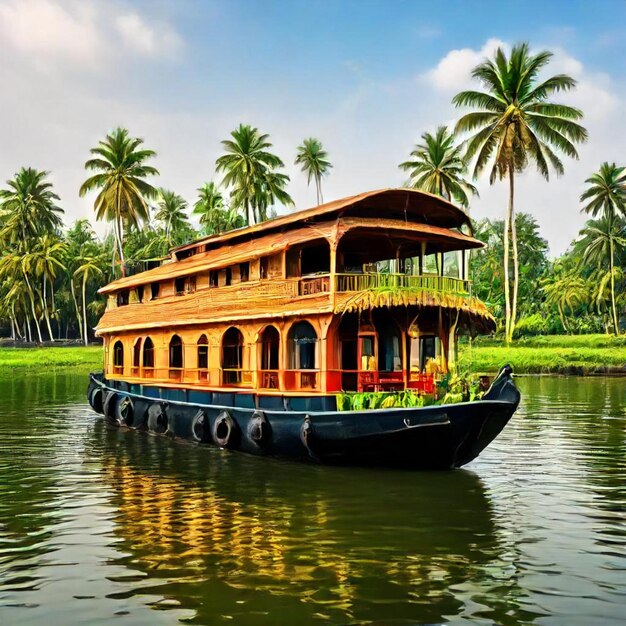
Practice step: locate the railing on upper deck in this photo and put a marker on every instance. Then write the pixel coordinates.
(361, 282)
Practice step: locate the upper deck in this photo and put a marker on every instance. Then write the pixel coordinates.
(328, 259)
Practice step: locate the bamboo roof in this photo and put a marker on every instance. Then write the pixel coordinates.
(223, 256)
(274, 242)
(409, 205)
(242, 302)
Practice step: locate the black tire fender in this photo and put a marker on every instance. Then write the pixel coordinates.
(96, 400)
(259, 429)
(125, 411)
(157, 419)
(200, 427)
(108, 404)
(224, 430)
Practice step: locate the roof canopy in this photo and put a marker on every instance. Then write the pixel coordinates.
(409, 205)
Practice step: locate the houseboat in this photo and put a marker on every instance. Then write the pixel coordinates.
(252, 339)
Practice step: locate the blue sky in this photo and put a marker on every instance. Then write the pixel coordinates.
(367, 78)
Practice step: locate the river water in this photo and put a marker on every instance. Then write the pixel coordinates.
(100, 525)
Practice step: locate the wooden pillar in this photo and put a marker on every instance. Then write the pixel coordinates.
(405, 358)
(283, 357)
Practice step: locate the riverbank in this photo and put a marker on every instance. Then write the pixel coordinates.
(553, 354)
(79, 358)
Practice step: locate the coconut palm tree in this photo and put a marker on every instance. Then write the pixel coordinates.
(47, 260)
(215, 216)
(121, 181)
(438, 167)
(171, 212)
(89, 267)
(601, 240)
(606, 196)
(269, 188)
(28, 207)
(245, 165)
(515, 123)
(19, 264)
(565, 291)
(315, 164)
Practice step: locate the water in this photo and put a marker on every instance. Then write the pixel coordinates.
(99, 524)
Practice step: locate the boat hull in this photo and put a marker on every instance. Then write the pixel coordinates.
(435, 437)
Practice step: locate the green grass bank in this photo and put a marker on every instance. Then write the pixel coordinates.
(555, 354)
(79, 358)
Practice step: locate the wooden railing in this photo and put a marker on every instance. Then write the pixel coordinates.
(269, 379)
(310, 285)
(362, 282)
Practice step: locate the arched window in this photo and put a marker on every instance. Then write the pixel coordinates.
(148, 356)
(232, 356)
(203, 358)
(302, 344)
(176, 357)
(270, 350)
(118, 357)
(136, 356)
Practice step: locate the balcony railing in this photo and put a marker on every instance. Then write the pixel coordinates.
(361, 282)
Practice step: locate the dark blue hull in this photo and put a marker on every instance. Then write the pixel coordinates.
(436, 437)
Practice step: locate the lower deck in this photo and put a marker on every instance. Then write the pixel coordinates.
(387, 349)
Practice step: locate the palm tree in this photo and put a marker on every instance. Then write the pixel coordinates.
(19, 264)
(314, 161)
(28, 207)
(565, 291)
(603, 238)
(88, 268)
(215, 216)
(515, 123)
(269, 188)
(438, 167)
(47, 254)
(121, 180)
(606, 195)
(171, 211)
(246, 164)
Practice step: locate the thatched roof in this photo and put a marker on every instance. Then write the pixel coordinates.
(409, 205)
(269, 243)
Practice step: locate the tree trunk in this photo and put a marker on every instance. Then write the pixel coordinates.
(78, 317)
(27, 330)
(513, 227)
(32, 307)
(120, 245)
(507, 291)
(562, 316)
(45, 309)
(613, 307)
(85, 308)
(248, 216)
(120, 236)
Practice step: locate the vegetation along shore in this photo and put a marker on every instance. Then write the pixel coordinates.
(79, 359)
(50, 272)
(557, 354)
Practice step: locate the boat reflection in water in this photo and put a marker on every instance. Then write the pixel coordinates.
(217, 535)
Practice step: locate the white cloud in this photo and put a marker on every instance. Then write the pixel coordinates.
(68, 34)
(155, 40)
(43, 27)
(554, 204)
(453, 72)
(51, 121)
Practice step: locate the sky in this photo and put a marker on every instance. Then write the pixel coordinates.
(365, 77)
